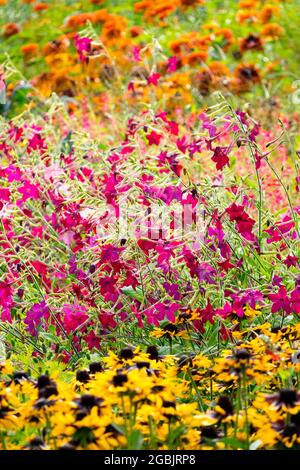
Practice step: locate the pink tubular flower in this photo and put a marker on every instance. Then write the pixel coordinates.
(280, 301)
(154, 138)
(36, 142)
(295, 301)
(220, 157)
(83, 47)
(37, 315)
(92, 340)
(291, 261)
(28, 191)
(153, 79)
(160, 311)
(74, 316)
(6, 300)
(244, 223)
(172, 64)
(136, 54)
(208, 124)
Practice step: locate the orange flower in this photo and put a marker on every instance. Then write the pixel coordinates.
(247, 72)
(57, 46)
(248, 4)
(244, 77)
(100, 16)
(77, 20)
(251, 43)
(3, 2)
(40, 7)
(135, 31)
(214, 76)
(191, 3)
(160, 8)
(114, 27)
(227, 35)
(203, 41)
(190, 41)
(195, 58)
(272, 31)
(268, 12)
(203, 82)
(211, 27)
(80, 19)
(10, 29)
(30, 50)
(218, 69)
(97, 2)
(176, 46)
(246, 15)
(143, 5)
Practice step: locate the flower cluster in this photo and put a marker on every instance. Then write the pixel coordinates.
(202, 60)
(244, 398)
(149, 225)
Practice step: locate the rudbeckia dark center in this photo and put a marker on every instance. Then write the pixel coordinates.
(170, 328)
(119, 379)
(126, 353)
(287, 396)
(153, 352)
(242, 354)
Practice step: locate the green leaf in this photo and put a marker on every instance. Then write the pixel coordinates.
(2, 351)
(133, 293)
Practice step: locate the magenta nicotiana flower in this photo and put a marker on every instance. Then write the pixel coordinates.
(153, 79)
(291, 261)
(172, 64)
(108, 288)
(244, 223)
(280, 229)
(37, 316)
(172, 290)
(6, 300)
(28, 191)
(83, 46)
(154, 138)
(160, 311)
(280, 301)
(208, 124)
(136, 53)
(203, 271)
(73, 316)
(220, 157)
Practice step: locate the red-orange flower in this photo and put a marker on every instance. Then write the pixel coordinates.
(227, 37)
(135, 31)
(218, 69)
(81, 19)
(248, 4)
(243, 16)
(268, 12)
(10, 29)
(40, 7)
(29, 50)
(244, 77)
(251, 43)
(195, 58)
(191, 3)
(271, 31)
(56, 46)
